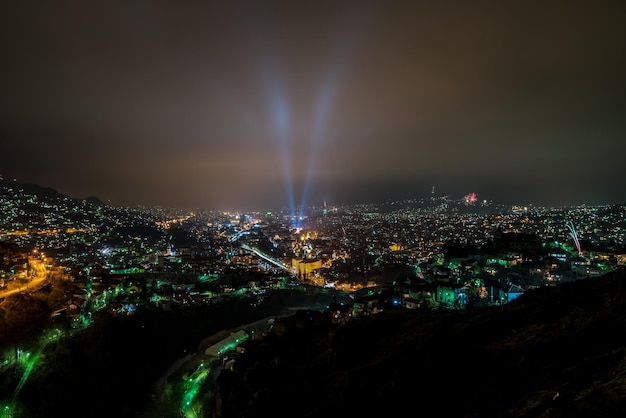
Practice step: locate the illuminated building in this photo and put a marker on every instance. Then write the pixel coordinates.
(227, 344)
(304, 268)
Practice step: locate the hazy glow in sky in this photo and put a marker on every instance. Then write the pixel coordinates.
(268, 104)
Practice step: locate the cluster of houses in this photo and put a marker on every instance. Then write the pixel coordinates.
(520, 262)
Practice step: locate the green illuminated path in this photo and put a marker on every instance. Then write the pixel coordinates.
(28, 360)
(191, 393)
(211, 364)
(193, 385)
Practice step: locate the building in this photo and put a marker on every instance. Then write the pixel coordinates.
(227, 344)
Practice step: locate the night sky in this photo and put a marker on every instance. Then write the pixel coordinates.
(262, 104)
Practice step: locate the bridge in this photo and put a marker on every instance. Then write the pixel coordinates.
(267, 258)
(239, 234)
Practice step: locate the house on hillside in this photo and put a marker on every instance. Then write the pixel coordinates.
(447, 295)
(419, 294)
(499, 293)
(366, 305)
(513, 291)
(464, 267)
(559, 254)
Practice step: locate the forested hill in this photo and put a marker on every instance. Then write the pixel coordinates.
(555, 352)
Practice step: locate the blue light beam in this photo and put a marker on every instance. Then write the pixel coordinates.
(281, 122)
(323, 107)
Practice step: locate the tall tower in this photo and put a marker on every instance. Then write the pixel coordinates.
(432, 194)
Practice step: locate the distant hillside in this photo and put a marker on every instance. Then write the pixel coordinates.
(32, 189)
(44, 192)
(94, 201)
(555, 352)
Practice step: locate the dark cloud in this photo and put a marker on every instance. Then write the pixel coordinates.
(216, 104)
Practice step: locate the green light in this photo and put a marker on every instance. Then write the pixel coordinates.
(29, 361)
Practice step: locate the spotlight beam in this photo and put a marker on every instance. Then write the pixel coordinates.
(323, 107)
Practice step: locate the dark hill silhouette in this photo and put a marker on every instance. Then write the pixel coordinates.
(47, 192)
(94, 201)
(554, 352)
(34, 189)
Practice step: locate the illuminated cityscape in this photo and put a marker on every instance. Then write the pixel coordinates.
(227, 209)
(91, 260)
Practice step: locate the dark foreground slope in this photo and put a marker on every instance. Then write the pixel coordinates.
(555, 352)
(108, 369)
